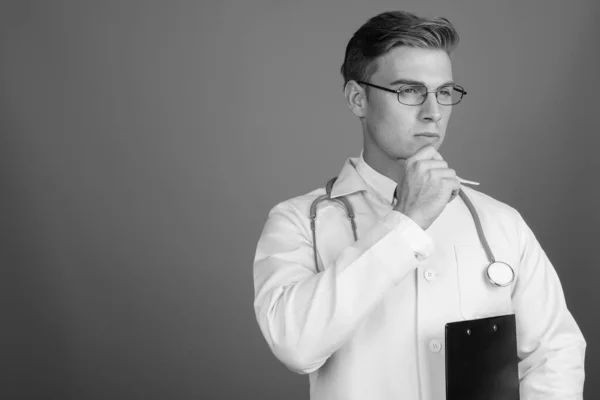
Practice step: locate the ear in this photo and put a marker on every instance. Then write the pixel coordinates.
(356, 97)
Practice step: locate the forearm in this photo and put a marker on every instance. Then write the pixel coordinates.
(305, 318)
(551, 345)
(554, 373)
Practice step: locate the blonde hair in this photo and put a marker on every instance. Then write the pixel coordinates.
(391, 29)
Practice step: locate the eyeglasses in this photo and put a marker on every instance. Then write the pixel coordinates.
(415, 95)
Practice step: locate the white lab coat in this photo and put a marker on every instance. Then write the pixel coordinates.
(371, 324)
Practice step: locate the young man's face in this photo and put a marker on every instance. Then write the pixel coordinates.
(396, 131)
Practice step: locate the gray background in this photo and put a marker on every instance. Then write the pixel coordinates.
(144, 142)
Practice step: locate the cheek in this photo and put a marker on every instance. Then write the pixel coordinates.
(394, 120)
(399, 124)
(394, 133)
(405, 118)
(391, 124)
(446, 114)
(445, 118)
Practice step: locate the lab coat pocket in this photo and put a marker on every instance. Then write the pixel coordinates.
(479, 298)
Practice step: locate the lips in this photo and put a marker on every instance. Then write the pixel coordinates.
(428, 134)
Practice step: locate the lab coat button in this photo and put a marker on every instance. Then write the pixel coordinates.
(430, 274)
(435, 346)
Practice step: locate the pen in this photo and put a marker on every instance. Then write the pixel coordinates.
(461, 180)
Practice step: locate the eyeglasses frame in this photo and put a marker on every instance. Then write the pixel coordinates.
(458, 88)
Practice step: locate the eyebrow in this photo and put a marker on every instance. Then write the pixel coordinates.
(411, 82)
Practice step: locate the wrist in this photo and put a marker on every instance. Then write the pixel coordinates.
(417, 218)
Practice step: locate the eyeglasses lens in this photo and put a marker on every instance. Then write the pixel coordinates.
(415, 95)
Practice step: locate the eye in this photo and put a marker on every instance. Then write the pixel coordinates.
(445, 91)
(408, 90)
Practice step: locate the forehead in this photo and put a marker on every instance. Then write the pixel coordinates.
(431, 66)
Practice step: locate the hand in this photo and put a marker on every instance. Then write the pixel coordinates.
(427, 187)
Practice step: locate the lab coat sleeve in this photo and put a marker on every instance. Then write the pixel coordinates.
(550, 344)
(306, 316)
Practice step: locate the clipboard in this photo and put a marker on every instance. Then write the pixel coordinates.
(481, 359)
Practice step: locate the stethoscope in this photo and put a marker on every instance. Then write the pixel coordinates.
(498, 273)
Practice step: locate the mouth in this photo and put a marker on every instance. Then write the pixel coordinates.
(428, 135)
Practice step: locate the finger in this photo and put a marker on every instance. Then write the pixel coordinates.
(432, 152)
(452, 181)
(454, 186)
(437, 155)
(453, 195)
(426, 165)
(447, 173)
(426, 153)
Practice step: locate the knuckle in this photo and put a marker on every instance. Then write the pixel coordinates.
(419, 166)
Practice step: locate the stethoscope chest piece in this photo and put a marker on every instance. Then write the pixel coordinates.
(500, 274)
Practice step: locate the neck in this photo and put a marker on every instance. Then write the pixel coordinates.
(382, 163)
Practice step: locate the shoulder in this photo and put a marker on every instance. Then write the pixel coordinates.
(495, 215)
(296, 210)
(489, 205)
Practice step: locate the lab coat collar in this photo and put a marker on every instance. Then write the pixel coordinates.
(349, 181)
(357, 175)
(383, 186)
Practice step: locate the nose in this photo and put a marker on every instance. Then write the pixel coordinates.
(430, 109)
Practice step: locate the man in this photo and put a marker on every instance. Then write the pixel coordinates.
(367, 322)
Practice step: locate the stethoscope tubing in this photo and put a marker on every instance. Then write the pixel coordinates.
(343, 201)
